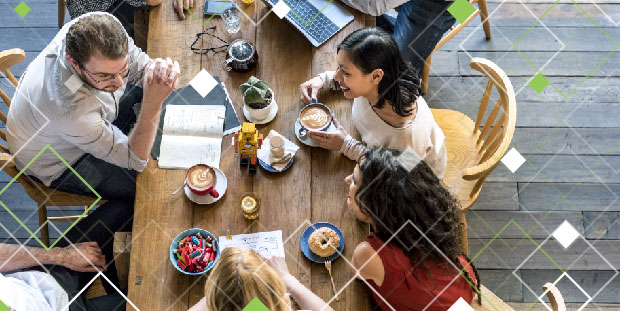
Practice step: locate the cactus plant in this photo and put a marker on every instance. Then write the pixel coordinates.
(256, 93)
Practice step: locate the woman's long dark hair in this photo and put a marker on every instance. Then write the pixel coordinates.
(372, 48)
(390, 195)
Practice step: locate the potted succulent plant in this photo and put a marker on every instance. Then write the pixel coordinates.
(259, 99)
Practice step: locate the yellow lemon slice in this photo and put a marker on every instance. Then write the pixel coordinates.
(248, 204)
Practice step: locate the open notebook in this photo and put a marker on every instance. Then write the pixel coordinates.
(192, 134)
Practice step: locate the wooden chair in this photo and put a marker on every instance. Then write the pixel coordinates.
(474, 153)
(483, 11)
(61, 13)
(490, 302)
(44, 196)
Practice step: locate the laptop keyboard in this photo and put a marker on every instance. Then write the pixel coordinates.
(302, 15)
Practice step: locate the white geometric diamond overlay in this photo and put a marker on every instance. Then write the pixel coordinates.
(74, 83)
(100, 274)
(565, 234)
(281, 9)
(203, 83)
(409, 159)
(461, 305)
(574, 283)
(513, 160)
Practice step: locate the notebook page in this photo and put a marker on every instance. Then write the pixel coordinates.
(194, 120)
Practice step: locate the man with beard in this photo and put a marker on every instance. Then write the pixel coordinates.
(79, 96)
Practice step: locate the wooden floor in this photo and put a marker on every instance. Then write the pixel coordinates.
(569, 134)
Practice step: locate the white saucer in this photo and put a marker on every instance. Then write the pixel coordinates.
(220, 186)
(307, 140)
(272, 114)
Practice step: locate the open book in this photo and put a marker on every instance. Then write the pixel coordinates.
(192, 134)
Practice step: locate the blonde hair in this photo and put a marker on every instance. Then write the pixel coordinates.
(239, 276)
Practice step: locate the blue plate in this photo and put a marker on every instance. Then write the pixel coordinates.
(306, 249)
(269, 168)
(188, 232)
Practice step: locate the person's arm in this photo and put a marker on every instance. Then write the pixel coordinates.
(139, 61)
(328, 80)
(306, 299)
(368, 263)
(160, 78)
(352, 148)
(153, 2)
(84, 126)
(373, 7)
(309, 89)
(83, 257)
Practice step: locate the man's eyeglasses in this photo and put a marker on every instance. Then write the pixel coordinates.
(209, 32)
(105, 77)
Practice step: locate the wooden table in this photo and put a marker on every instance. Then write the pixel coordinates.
(312, 190)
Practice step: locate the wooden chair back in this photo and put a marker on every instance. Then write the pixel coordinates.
(8, 58)
(490, 302)
(555, 297)
(498, 125)
(483, 11)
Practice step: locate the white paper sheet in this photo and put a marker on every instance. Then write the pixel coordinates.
(264, 243)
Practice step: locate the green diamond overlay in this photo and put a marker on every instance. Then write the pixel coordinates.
(461, 10)
(3, 307)
(255, 305)
(74, 172)
(588, 74)
(22, 9)
(539, 82)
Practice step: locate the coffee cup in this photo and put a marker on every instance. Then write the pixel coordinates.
(241, 57)
(201, 180)
(314, 116)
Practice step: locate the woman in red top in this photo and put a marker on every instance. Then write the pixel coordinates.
(413, 261)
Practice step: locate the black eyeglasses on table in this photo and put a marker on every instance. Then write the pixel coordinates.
(209, 32)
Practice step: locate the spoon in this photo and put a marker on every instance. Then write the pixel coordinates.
(176, 191)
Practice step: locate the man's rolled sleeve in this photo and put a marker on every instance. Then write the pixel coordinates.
(139, 60)
(88, 130)
(121, 151)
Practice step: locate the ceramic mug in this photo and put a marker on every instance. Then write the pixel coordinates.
(303, 131)
(201, 172)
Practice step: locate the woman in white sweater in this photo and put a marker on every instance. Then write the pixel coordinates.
(387, 107)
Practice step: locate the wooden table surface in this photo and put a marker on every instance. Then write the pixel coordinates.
(312, 190)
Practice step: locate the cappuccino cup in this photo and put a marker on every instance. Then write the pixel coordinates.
(201, 180)
(314, 116)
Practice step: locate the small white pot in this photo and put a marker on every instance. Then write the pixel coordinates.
(262, 114)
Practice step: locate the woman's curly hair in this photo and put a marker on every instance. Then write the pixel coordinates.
(391, 195)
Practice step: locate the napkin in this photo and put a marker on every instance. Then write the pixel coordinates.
(264, 153)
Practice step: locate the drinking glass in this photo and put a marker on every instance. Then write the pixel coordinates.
(232, 19)
(250, 208)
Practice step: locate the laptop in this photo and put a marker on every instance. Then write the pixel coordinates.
(317, 20)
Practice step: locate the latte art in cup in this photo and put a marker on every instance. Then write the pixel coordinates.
(315, 117)
(201, 176)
